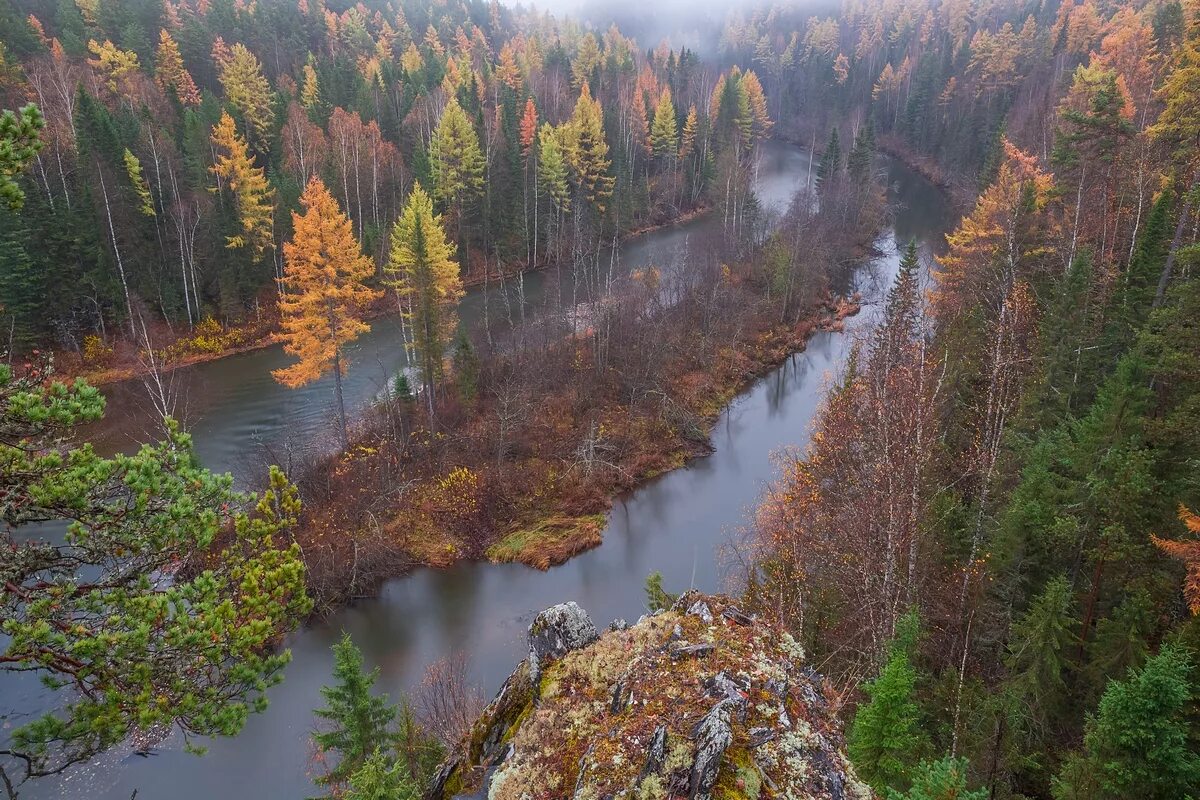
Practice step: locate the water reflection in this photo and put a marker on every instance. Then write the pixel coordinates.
(675, 524)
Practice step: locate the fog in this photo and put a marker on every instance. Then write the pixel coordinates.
(695, 24)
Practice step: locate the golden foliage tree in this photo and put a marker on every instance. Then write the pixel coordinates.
(587, 150)
(456, 158)
(325, 273)
(422, 270)
(252, 194)
(170, 74)
(247, 90)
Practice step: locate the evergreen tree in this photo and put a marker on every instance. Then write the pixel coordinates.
(359, 723)
(1037, 658)
(831, 161)
(1140, 742)
(886, 740)
(863, 153)
(20, 141)
(944, 779)
(137, 653)
(381, 778)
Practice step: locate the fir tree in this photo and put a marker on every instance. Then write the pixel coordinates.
(831, 161)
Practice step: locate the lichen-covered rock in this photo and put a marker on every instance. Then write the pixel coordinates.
(557, 631)
(713, 736)
(627, 715)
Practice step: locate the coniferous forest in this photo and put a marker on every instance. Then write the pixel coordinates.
(564, 231)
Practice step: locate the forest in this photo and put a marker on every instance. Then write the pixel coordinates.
(987, 546)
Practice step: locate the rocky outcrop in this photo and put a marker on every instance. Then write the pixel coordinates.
(700, 701)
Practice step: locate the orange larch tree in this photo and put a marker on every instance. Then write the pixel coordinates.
(1189, 553)
(171, 75)
(325, 273)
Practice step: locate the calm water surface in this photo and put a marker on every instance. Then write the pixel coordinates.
(676, 524)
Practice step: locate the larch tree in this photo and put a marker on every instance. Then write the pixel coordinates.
(456, 160)
(1178, 127)
(253, 196)
(169, 73)
(587, 150)
(664, 131)
(325, 275)
(310, 89)
(248, 91)
(422, 271)
(1187, 551)
(133, 168)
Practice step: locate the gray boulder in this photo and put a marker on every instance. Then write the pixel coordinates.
(555, 632)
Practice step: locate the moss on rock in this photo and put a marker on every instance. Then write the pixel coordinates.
(587, 730)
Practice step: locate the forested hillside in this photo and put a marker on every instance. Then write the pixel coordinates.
(988, 546)
(1011, 456)
(179, 136)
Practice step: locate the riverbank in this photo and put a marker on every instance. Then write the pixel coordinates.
(409, 494)
(209, 340)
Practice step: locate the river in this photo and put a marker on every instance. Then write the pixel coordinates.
(676, 524)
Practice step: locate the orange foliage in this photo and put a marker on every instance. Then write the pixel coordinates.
(1189, 553)
(325, 272)
(994, 240)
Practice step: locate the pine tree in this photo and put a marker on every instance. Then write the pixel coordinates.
(253, 196)
(381, 778)
(358, 722)
(20, 141)
(1140, 743)
(886, 740)
(325, 274)
(664, 132)
(248, 91)
(170, 74)
(422, 271)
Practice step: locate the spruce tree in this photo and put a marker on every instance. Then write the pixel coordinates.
(831, 161)
(1140, 742)
(944, 779)
(359, 722)
(886, 739)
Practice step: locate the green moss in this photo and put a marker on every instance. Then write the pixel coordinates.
(739, 778)
(549, 541)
